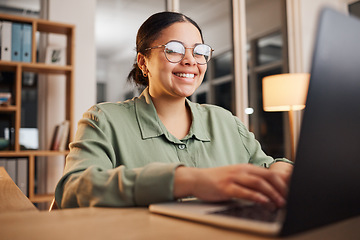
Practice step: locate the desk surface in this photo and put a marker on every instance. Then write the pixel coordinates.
(11, 197)
(137, 223)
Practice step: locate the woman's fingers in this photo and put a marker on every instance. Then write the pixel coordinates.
(241, 192)
(274, 179)
(264, 185)
(257, 184)
(243, 181)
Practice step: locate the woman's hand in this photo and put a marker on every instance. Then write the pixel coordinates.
(283, 169)
(243, 181)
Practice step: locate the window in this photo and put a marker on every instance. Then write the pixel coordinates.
(266, 59)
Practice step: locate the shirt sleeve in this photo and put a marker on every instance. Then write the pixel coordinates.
(94, 177)
(257, 155)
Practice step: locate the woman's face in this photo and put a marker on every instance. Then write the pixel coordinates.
(175, 80)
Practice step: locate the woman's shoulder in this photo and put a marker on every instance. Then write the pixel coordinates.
(219, 114)
(110, 106)
(212, 110)
(111, 109)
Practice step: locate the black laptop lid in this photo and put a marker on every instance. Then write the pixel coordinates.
(325, 185)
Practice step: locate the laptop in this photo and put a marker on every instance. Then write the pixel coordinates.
(325, 185)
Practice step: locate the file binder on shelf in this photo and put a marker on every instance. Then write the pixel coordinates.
(11, 168)
(22, 175)
(6, 40)
(26, 43)
(16, 42)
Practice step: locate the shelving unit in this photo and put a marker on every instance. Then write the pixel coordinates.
(14, 109)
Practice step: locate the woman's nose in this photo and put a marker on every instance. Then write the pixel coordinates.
(189, 57)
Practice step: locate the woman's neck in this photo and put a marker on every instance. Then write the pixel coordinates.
(174, 114)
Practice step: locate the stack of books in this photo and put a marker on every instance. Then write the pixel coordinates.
(60, 138)
(5, 98)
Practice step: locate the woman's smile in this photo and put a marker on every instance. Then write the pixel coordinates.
(185, 75)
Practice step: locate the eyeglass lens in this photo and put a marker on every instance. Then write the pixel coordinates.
(175, 52)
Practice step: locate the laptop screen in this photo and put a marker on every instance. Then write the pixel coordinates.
(327, 167)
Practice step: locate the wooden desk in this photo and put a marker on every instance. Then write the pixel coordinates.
(11, 197)
(137, 223)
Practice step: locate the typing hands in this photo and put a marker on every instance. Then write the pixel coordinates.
(243, 181)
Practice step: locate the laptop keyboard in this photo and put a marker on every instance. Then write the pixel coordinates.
(266, 213)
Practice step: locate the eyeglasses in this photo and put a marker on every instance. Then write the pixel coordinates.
(175, 52)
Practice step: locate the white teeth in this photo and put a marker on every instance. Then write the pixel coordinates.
(185, 75)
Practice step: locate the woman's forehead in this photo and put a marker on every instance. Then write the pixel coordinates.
(184, 32)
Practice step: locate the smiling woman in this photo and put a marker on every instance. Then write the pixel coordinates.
(160, 146)
(171, 82)
(158, 63)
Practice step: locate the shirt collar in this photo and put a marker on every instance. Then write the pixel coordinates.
(151, 126)
(198, 129)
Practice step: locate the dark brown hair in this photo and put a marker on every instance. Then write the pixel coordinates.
(148, 32)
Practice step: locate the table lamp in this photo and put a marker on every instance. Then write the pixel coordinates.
(286, 92)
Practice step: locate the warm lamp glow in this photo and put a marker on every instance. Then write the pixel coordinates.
(285, 92)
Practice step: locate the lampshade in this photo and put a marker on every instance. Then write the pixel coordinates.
(285, 92)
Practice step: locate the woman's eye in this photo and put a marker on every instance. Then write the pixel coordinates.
(169, 51)
(173, 51)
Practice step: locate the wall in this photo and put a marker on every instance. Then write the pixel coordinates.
(262, 17)
(302, 23)
(81, 13)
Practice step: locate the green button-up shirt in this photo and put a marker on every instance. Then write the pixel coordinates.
(123, 155)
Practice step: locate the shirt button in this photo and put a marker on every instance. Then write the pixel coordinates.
(182, 146)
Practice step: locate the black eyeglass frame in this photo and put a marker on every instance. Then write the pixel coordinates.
(199, 44)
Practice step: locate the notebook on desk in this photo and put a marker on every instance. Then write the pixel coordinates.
(325, 184)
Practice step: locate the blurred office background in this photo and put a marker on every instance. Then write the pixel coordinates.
(252, 39)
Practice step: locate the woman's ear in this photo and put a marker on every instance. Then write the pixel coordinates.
(141, 62)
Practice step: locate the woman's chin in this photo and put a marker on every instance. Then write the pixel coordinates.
(186, 92)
